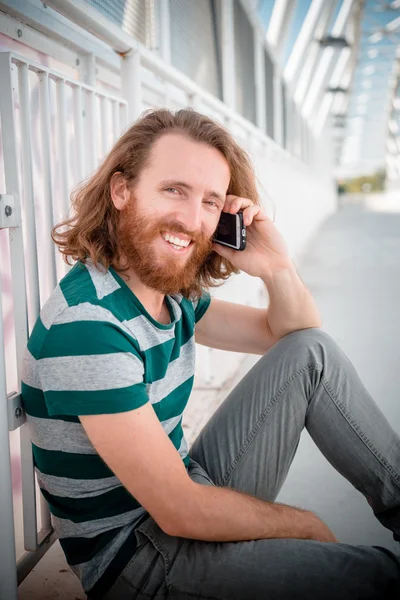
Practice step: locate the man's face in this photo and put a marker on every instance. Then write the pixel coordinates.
(167, 227)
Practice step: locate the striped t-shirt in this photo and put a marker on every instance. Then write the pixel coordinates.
(94, 350)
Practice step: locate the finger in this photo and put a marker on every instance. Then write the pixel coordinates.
(229, 200)
(250, 213)
(238, 204)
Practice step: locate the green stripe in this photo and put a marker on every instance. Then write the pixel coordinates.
(183, 333)
(79, 550)
(67, 464)
(122, 303)
(202, 306)
(187, 310)
(157, 358)
(33, 401)
(176, 435)
(34, 404)
(77, 286)
(156, 361)
(78, 510)
(174, 404)
(96, 402)
(87, 337)
(36, 339)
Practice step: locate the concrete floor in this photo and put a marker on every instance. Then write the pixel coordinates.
(352, 267)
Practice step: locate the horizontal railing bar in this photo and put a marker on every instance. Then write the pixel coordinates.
(57, 76)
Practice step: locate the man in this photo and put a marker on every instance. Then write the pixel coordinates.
(109, 369)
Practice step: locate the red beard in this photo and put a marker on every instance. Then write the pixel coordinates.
(166, 274)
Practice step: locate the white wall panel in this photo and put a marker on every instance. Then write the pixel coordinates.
(194, 45)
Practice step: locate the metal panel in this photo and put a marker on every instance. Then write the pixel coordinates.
(195, 43)
(284, 113)
(8, 76)
(136, 17)
(269, 94)
(245, 63)
(36, 100)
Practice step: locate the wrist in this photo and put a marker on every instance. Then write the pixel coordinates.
(284, 270)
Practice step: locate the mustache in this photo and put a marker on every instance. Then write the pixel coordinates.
(176, 227)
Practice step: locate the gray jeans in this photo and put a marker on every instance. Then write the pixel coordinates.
(305, 380)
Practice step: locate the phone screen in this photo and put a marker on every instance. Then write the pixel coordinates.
(231, 231)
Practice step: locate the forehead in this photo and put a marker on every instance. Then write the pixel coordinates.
(174, 156)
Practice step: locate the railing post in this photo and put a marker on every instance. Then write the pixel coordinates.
(8, 573)
(228, 54)
(278, 107)
(8, 569)
(131, 76)
(165, 31)
(261, 113)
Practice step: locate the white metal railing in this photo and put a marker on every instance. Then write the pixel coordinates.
(105, 113)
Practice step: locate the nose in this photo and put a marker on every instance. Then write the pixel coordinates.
(190, 216)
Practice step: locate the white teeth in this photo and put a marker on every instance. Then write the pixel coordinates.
(176, 241)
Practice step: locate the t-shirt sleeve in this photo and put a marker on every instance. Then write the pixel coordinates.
(90, 367)
(201, 305)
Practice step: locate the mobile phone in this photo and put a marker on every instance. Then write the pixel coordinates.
(231, 231)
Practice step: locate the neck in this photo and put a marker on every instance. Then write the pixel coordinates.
(152, 300)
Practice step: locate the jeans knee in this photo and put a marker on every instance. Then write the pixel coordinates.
(313, 339)
(311, 335)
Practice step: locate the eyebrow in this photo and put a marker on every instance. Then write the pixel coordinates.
(211, 193)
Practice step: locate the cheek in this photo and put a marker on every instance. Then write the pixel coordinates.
(211, 225)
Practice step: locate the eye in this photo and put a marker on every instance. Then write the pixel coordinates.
(171, 188)
(212, 203)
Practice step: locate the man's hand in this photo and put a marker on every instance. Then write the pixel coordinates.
(266, 250)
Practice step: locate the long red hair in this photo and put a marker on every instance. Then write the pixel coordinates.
(92, 231)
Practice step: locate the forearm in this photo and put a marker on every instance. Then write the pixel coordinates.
(291, 306)
(222, 514)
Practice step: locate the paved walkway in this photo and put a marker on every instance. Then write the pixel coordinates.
(352, 267)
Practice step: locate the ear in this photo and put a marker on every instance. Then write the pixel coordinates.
(119, 191)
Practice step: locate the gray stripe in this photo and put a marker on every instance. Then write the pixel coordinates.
(146, 333)
(85, 311)
(62, 436)
(177, 297)
(29, 372)
(183, 448)
(90, 373)
(103, 281)
(170, 424)
(67, 528)
(78, 488)
(179, 370)
(54, 305)
(176, 308)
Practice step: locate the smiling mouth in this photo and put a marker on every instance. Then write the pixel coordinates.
(178, 247)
